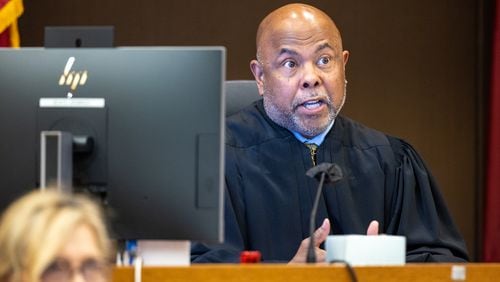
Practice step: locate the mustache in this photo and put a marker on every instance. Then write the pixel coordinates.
(298, 101)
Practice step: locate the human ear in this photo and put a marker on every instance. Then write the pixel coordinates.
(345, 57)
(258, 73)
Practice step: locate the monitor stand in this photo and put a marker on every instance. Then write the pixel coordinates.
(164, 252)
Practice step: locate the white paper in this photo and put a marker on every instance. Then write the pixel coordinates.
(367, 250)
(164, 252)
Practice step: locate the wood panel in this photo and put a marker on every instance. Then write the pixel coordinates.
(318, 273)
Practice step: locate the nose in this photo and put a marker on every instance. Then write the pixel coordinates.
(78, 277)
(310, 77)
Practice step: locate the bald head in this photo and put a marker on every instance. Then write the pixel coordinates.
(295, 20)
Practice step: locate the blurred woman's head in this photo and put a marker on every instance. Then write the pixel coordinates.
(51, 236)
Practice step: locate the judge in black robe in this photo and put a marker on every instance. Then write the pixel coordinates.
(300, 73)
(269, 197)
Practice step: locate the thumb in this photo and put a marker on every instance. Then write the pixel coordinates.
(372, 228)
(322, 232)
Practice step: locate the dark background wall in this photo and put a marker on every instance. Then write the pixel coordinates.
(414, 70)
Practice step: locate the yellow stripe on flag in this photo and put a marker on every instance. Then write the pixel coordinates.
(15, 41)
(8, 19)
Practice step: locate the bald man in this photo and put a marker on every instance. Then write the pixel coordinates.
(300, 74)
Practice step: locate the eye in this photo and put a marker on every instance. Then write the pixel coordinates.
(289, 64)
(324, 61)
(93, 269)
(58, 270)
(58, 265)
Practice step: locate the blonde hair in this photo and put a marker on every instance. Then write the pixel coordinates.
(35, 227)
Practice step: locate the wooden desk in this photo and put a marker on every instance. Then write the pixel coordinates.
(475, 272)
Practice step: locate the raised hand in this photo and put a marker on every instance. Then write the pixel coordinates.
(320, 236)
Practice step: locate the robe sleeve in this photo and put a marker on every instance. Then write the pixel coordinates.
(419, 211)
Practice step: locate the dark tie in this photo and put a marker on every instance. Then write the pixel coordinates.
(313, 148)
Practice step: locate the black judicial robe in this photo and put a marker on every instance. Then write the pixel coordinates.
(268, 197)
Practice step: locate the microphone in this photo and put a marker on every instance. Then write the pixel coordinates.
(324, 173)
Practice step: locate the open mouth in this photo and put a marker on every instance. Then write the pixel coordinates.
(311, 105)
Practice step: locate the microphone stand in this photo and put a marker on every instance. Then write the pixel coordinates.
(329, 173)
(311, 254)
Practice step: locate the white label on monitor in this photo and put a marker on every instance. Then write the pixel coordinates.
(72, 103)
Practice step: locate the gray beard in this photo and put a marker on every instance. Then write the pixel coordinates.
(289, 120)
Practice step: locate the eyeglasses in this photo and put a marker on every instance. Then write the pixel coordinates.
(60, 270)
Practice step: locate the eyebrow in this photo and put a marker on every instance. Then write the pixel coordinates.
(287, 51)
(293, 52)
(323, 46)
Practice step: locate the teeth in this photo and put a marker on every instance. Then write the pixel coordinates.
(312, 104)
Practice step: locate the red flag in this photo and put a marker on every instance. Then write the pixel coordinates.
(491, 247)
(10, 11)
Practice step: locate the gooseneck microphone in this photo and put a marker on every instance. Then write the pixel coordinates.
(325, 173)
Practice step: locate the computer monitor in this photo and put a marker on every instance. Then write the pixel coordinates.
(155, 116)
(78, 36)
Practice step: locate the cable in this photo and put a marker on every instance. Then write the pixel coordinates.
(350, 269)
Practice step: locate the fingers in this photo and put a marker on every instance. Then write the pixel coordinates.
(320, 255)
(372, 228)
(320, 236)
(321, 233)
